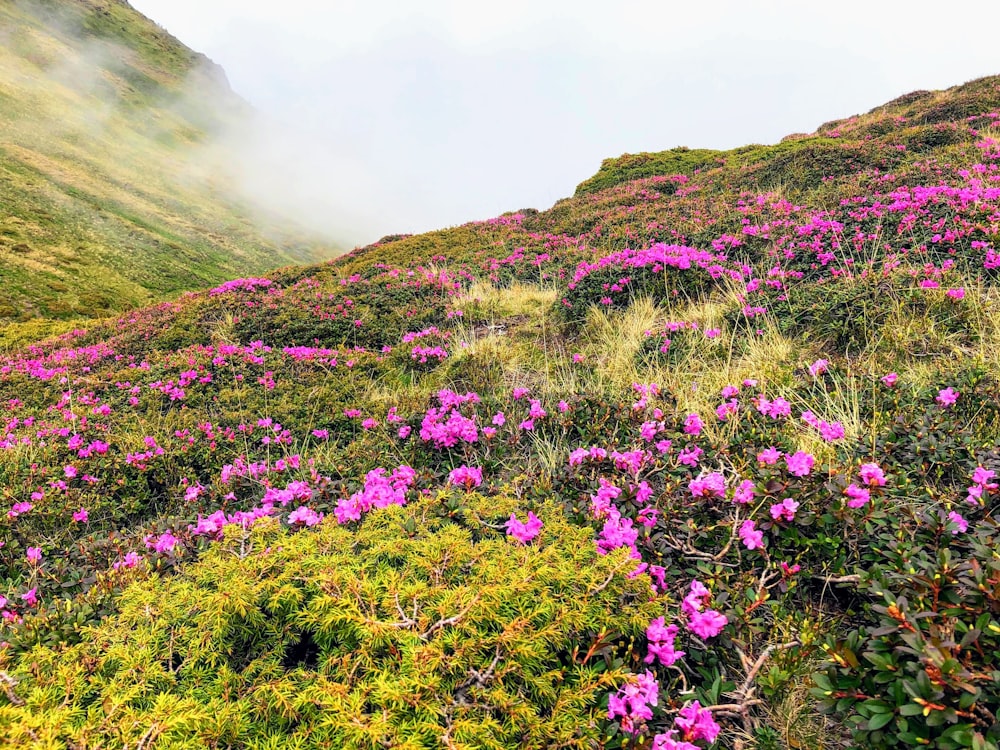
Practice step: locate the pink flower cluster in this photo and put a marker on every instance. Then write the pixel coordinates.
(466, 476)
(982, 485)
(661, 643)
(379, 491)
(446, 426)
(634, 702)
(523, 531)
(705, 623)
(241, 284)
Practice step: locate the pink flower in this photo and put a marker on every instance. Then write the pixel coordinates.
(404, 431)
(524, 532)
(467, 476)
(769, 456)
(711, 485)
(859, 496)
(711, 333)
(666, 741)
(693, 424)
(81, 516)
(872, 475)
(800, 463)
(946, 397)
(520, 393)
(34, 555)
(982, 476)
(957, 293)
(696, 723)
(707, 624)
(961, 525)
(697, 597)
(70, 471)
(634, 701)
(751, 536)
(690, 456)
(661, 643)
(305, 515)
(499, 419)
(744, 492)
(787, 571)
(30, 597)
(890, 380)
(536, 411)
(831, 431)
(577, 358)
(818, 367)
(785, 510)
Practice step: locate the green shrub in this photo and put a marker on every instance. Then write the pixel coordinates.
(420, 628)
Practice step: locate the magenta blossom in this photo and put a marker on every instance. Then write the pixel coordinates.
(785, 510)
(693, 424)
(890, 380)
(872, 475)
(524, 532)
(800, 463)
(946, 397)
(305, 515)
(818, 367)
(710, 485)
(696, 723)
(634, 701)
(859, 496)
(751, 536)
(467, 476)
(769, 456)
(707, 624)
(961, 525)
(661, 643)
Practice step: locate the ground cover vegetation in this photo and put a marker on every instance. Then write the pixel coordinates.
(704, 458)
(103, 205)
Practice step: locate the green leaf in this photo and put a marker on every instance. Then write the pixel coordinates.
(878, 721)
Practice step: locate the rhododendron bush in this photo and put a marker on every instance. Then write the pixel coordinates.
(684, 461)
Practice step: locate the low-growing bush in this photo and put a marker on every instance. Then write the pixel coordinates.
(421, 628)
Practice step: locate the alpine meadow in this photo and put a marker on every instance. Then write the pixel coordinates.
(703, 456)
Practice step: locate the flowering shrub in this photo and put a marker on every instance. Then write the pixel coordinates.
(801, 480)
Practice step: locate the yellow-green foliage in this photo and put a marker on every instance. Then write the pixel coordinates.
(108, 197)
(418, 629)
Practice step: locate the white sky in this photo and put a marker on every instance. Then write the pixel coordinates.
(411, 115)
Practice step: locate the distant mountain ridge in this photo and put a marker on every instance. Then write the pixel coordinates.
(104, 202)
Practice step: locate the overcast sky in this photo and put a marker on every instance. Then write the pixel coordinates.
(412, 115)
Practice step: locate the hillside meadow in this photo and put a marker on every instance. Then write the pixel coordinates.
(703, 456)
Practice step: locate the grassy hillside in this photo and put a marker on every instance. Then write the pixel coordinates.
(701, 458)
(103, 204)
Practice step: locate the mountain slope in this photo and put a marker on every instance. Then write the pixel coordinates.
(103, 203)
(698, 458)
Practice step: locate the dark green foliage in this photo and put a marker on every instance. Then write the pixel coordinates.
(677, 161)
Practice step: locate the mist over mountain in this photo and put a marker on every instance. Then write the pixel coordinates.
(108, 199)
(704, 455)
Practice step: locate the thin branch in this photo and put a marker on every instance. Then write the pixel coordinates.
(450, 620)
(746, 688)
(8, 684)
(855, 578)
